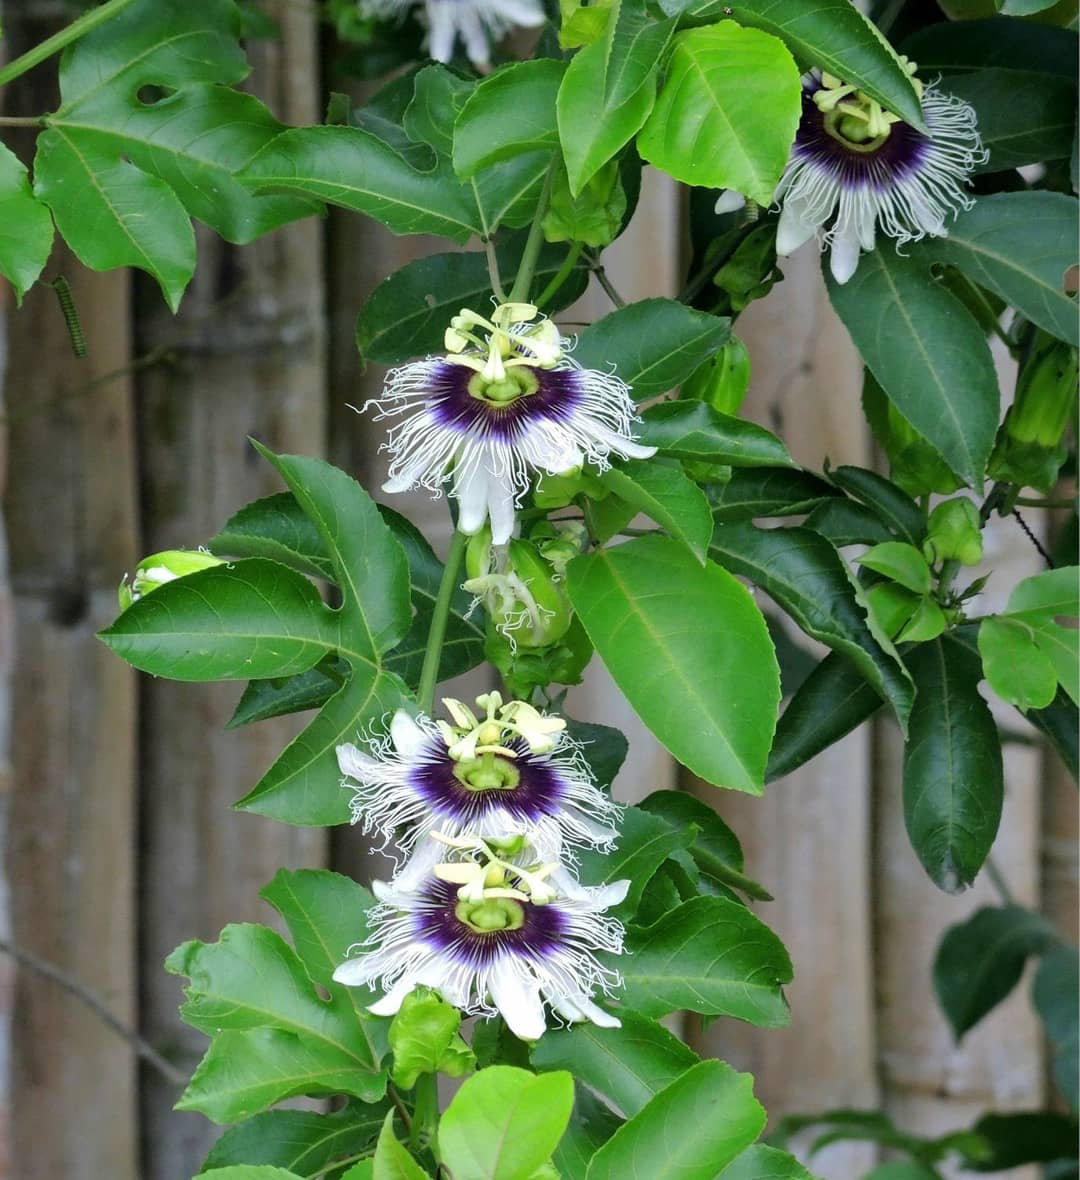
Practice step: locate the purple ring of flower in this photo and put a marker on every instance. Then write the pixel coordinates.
(437, 925)
(901, 154)
(539, 792)
(555, 399)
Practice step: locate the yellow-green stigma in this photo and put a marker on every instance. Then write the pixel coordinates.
(491, 915)
(489, 772)
(858, 121)
(501, 391)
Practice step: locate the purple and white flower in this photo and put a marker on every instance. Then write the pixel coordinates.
(505, 942)
(512, 773)
(504, 405)
(856, 169)
(475, 22)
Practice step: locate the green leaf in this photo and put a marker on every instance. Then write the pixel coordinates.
(274, 1037)
(354, 169)
(371, 572)
(609, 89)
(843, 522)
(759, 1162)
(300, 1141)
(980, 960)
(665, 495)
(645, 842)
(1018, 245)
(628, 1066)
(1003, 42)
(591, 1125)
(710, 955)
(708, 691)
(928, 354)
(603, 747)
(901, 563)
(510, 112)
(249, 619)
(768, 491)
(1013, 664)
(425, 1039)
(504, 1123)
(392, 1161)
(832, 701)
(689, 1131)
(407, 314)
(805, 576)
(654, 344)
(251, 1172)
(1055, 994)
(727, 112)
(364, 1170)
(714, 847)
(1059, 723)
(277, 528)
(26, 231)
(953, 779)
(693, 430)
(1046, 595)
(1024, 1138)
(113, 214)
(1024, 117)
(829, 34)
(894, 507)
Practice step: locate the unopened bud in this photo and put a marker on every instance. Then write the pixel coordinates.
(953, 533)
(159, 568)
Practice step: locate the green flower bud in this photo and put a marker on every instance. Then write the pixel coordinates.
(914, 464)
(478, 553)
(523, 595)
(722, 380)
(1030, 447)
(159, 568)
(953, 533)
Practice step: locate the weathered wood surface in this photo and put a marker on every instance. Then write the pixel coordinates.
(808, 838)
(246, 357)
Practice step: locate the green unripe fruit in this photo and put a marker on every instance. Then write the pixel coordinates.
(953, 533)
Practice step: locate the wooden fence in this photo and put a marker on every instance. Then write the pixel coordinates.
(119, 841)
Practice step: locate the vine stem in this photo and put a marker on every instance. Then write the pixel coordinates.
(429, 672)
(997, 879)
(78, 28)
(493, 271)
(519, 293)
(561, 275)
(605, 282)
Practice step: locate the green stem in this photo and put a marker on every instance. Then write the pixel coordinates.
(22, 120)
(78, 28)
(429, 673)
(605, 282)
(997, 879)
(1030, 502)
(493, 271)
(561, 275)
(425, 1113)
(519, 293)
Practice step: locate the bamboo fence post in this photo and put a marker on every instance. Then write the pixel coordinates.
(69, 852)
(246, 357)
(807, 839)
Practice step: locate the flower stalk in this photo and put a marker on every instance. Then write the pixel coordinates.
(429, 670)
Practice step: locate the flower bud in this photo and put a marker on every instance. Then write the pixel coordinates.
(914, 464)
(953, 533)
(159, 568)
(1030, 449)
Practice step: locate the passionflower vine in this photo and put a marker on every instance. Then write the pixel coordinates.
(512, 773)
(855, 169)
(493, 933)
(505, 403)
(475, 22)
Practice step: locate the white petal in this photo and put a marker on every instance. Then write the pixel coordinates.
(418, 867)
(356, 764)
(471, 493)
(441, 32)
(844, 256)
(501, 510)
(522, 13)
(473, 34)
(793, 228)
(402, 482)
(394, 998)
(729, 201)
(591, 1011)
(407, 736)
(355, 972)
(519, 1003)
(609, 895)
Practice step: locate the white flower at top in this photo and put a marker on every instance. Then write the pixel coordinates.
(506, 403)
(475, 22)
(493, 933)
(856, 169)
(511, 772)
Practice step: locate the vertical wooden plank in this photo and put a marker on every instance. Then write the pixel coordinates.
(69, 854)
(807, 840)
(247, 357)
